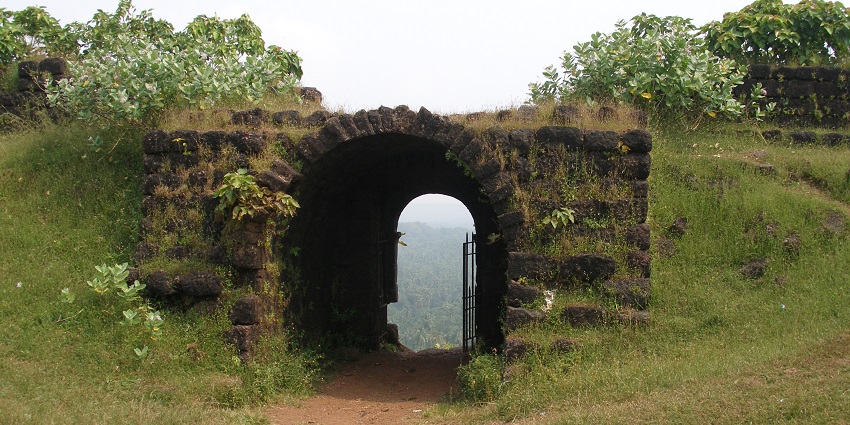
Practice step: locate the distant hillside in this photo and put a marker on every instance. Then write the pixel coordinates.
(429, 283)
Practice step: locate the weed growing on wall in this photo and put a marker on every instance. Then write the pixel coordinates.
(240, 195)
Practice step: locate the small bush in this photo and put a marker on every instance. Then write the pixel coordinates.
(812, 32)
(481, 379)
(278, 370)
(656, 64)
(131, 68)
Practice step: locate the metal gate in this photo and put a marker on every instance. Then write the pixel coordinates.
(469, 255)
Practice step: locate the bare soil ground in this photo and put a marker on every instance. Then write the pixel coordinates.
(380, 388)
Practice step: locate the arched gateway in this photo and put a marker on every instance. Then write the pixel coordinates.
(331, 270)
(351, 199)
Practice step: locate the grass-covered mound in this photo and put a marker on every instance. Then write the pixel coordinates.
(719, 347)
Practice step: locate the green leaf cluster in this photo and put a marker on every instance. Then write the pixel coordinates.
(128, 67)
(241, 196)
(652, 63)
(33, 33)
(811, 32)
(136, 311)
(560, 217)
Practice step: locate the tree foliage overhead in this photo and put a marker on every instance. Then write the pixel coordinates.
(660, 64)
(811, 32)
(32, 32)
(128, 68)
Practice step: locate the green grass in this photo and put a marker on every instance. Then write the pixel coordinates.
(63, 210)
(719, 348)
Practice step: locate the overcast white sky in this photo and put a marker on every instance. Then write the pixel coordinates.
(446, 55)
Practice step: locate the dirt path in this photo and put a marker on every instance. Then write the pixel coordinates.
(380, 388)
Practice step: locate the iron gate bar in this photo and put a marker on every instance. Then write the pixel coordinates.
(469, 295)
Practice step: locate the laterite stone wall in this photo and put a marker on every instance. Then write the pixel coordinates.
(804, 95)
(330, 270)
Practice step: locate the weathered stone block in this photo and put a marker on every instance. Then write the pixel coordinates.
(529, 265)
(153, 163)
(199, 178)
(53, 66)
(310, 148)
(486, 169)
(248, 143)
(472, 152)
(759, 71)
(247, 311)
(519, 294)
(635, 166)
(521, 140)
(497, 136)
(272, 180)
(588, 268)
(584, 315)
(495, 181)
(391, 337)
(27, 70)
(640, 188)
(317, 119)
(213, 140)
(639, 261)
(798, 89)
(515, 348)
(310, 94)
(361, 121)
(253, 118)
(569, 137)
(159, 285)
(563, 345)
(638, 141)
(754, 269)
(177, 253)
(157, 141)
(527, 112)
(601, 141)
(244, 337)
(290, 118)
(198, 285)
(633, 317)
(639, 236)
(804, 137)
(565, 114)
(403, 118)
(185, 141)
(517, 317)
(153, 181)
(248, 256)
(629, 292)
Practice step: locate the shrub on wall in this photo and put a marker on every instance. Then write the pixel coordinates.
(32, 32)
(131, 68)
(812, 32)
(659, 64)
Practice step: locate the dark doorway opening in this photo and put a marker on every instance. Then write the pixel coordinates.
(347, 239)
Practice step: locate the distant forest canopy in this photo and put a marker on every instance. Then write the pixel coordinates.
(428, 312)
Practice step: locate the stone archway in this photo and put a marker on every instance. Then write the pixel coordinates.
(352, 196)
(353, 175)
